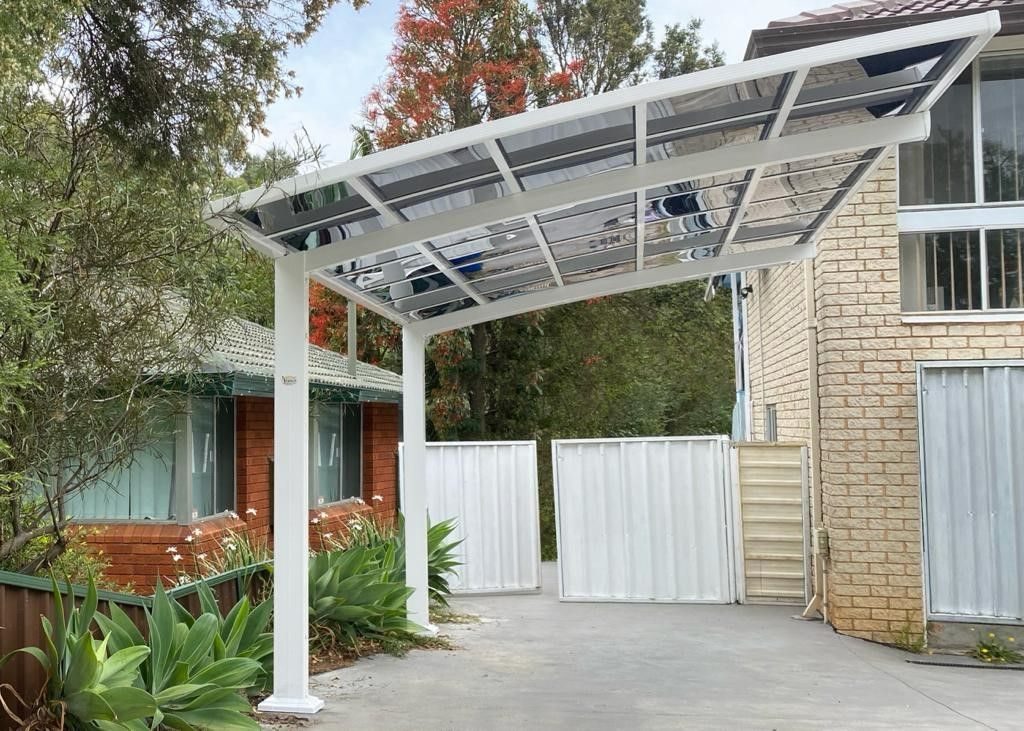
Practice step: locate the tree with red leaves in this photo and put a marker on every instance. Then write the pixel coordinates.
(457, 63)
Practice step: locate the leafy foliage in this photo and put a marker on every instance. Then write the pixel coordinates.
(83, 680)
(193, 679)
(995, 650)
(244, 632)
(359, 592)
(441, 560)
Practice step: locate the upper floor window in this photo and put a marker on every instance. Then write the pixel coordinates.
(975, 153)
(962, 270)
(335, 453)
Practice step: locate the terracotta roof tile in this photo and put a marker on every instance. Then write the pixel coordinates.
(867, 9)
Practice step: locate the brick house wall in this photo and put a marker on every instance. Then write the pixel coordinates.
(870, 466)
(777, 352)
(138, 550)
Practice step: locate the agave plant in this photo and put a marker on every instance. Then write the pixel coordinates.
(84, 683)
(441, 560)
(243, 633)
(191, 687)
(358, 593)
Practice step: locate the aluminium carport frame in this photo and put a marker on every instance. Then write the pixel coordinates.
(336, 259)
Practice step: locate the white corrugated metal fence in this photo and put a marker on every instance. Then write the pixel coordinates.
(490, 488)
(644, 519)
(972, 442)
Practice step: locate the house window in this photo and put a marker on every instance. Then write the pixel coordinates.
(336, 453)
(771, 423)
(940, 170)
(944, 271)
(186, 473)
(213, 456)
(143, 490)
(975, 153)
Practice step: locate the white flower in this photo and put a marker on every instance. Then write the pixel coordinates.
(225, 541)
(230, 546)
(360, 501)
(250, 511)
(201, 556)
(323, 516)
(328, 535)
(379, 498)
(182, 580)
(176, 557)
(189, 538)
(197, 532)
(232, 514)
(357, 526)
(314, 521)
(171, 549)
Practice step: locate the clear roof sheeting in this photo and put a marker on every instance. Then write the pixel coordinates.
(733, 168)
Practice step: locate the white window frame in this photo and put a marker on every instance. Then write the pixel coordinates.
(978, 216)
(314, 477)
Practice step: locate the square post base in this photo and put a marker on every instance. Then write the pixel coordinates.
(273, 704)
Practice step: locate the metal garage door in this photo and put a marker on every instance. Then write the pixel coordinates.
(644, 519)
(972, 440)
(490, 488)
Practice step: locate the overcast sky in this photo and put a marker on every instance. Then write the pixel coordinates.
(348, 55)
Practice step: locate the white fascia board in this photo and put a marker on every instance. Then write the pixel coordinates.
(960, 219)
(732, 158)
(983, 26)
(650, 277)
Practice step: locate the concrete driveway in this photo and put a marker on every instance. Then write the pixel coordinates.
(535, 663)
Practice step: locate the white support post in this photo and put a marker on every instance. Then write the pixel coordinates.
(291, 491)
(414, 483)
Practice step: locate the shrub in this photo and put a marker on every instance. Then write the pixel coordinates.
(82, 681)
(441, 561)
(357, 593)
(243, 633)
(192, 687)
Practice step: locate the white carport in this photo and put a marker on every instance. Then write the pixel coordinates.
(730, 169)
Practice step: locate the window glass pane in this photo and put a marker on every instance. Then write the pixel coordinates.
(203, 457)
(1002, 124)
(941, 168)
(325, 485)
(352, 451)
(142, 490)
(152, 478)
(225, 455)
(940, 271)
(1005, 264)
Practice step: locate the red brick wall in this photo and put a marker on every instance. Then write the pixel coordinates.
(138, 551)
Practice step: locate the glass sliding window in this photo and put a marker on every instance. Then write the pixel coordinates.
(1002, 124)
(336, 462)
(1004, 249)
(213, 456)
(940, 170)
(941, 271)
(144, 489)
(351, 451)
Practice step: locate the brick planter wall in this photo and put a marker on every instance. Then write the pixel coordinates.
(138, 551)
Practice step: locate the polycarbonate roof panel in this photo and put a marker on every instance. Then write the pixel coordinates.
(731, 168)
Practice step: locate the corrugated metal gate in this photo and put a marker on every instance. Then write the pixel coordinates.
(644, 519)
(490, 488)
(972, 445)
(773, 494)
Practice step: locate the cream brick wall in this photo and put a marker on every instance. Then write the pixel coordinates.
(868, 404)
(777, 352)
